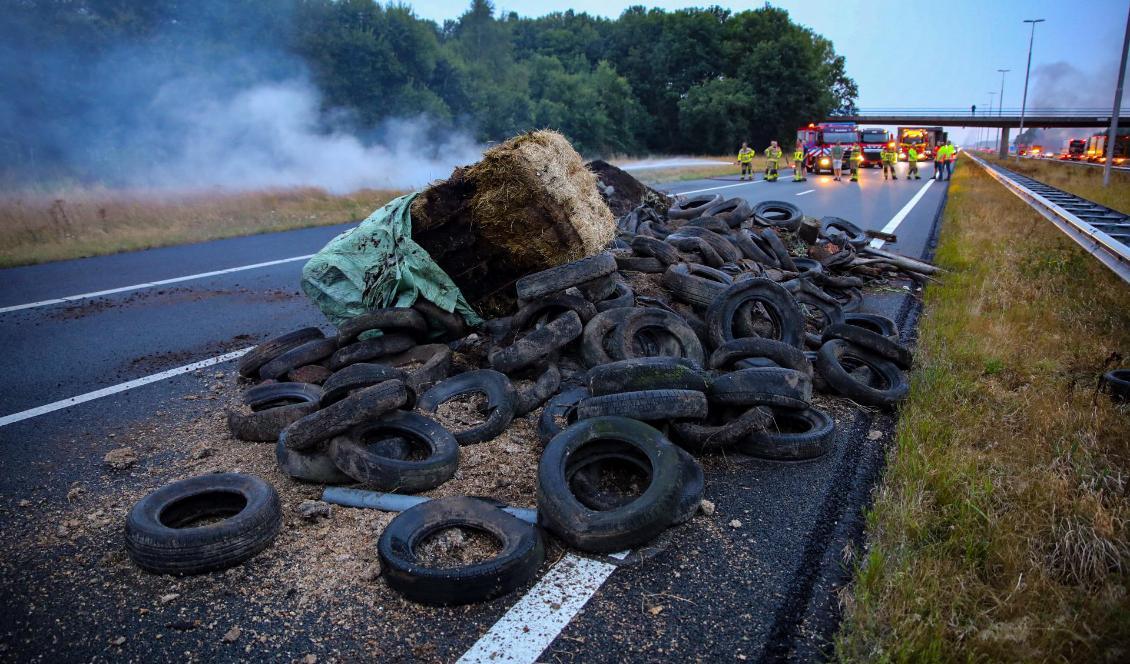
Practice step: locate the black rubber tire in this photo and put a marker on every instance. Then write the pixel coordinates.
(646, 405)
(594, 338)
(719, 243)
(557, 279)
(624, 343)
(370, 349)
(522, 553)
(600, 288)
(271, 395)
(402, 320)
(647, 373)
(584, 486)
(787, 388)
(873, 322)
(359, 460)
(777, 301)
(644, 264)
(778, 214)
(743, 240)
(727, 355)
(538, 344)
(309, 466)
(686, 283)
(732, 211)
(311, 352)
(830, 312)
(531, 394)
(657, 249)
(354, 377)
(637, 522)
(436, 366)
(808, 266)
(854, 234)
(780, 252)
(829, 363)
(500, 401)
(622, 297)
(699, 246)
(868, 340)
(692, 207)
(705, 438)
(850, 300)
(1116, 383)
(544, 309)
(158, 539)
(709, 223)
(563, 405)
(250, 363)
(444, 325)
(809, 434)
(363, 405)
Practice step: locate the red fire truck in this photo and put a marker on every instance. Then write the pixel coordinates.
(818, 140)
(925, 141)
(872, 142)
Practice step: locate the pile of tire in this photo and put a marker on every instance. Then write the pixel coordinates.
(724, 358)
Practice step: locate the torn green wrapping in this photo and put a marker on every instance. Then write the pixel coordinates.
(378, 265)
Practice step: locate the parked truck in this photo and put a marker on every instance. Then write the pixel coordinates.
(872, 141)
(1073, 149)
(924, 140)
(818, 140)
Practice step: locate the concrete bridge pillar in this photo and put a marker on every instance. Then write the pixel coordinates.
(1004, 143)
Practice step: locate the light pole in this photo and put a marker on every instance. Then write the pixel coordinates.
(1024, 99)
(988, 130)
(1112, 135)
(1000, 106)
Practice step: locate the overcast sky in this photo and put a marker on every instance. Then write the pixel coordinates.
(911, 53)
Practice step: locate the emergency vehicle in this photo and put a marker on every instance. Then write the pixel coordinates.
(818, 140)
(1073, 149)
(925, 141)
(872, 142)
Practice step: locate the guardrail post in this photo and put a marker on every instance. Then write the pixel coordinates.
(1004, 143)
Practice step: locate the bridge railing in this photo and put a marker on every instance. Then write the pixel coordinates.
(981, 112)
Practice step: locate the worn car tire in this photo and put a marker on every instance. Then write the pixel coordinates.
(732, 211)
(622, 296)
(779, 251)
(778, 214)
(159, 538)
(584, 484)
(311, 352)
(777, 302)
(435, 365)
(250, 363)
(873, 322)
(694, 285)
(624, 343)
(538, 344)
(657, 249)
(606, 531)
(562, 405)
(274, 407)
(796, 435)
(365, 404)
(522, 552)
(829, 362)
(705, 437)
(557, 279)
(647, 373)
(726, 356)
(356, 457)
(400, 320)
(544, 310)
(646, 405)
(876, 343)
(531, 394)
(1116, 383)
(370, 349)
(309, 465)
(690, 208)
(787, 388)
(354, 377)
(500, 402)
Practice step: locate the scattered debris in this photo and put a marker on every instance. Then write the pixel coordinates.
(736, 523)
(314, 509)
(120, 458)
(707, 507)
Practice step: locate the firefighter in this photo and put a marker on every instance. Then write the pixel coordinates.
(772, 161)
(745, 158)
(912, 162)
(940, 155)
(889, 157)
(856, 157)
(798, 162)
(951, 156)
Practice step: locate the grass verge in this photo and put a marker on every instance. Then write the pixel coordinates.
(1001, 530)
(1085, 181)
(664, 175)
(39, 227)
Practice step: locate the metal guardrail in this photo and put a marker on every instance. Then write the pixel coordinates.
(985, 112)
(1102, 232)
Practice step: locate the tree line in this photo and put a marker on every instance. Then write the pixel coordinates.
(692, 80)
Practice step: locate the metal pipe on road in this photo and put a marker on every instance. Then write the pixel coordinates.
(1112, 135)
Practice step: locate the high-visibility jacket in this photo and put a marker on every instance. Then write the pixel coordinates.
(888, 156)
(798, 155)
(773, 153)
(745, 155)
(942, 154)
(911, 154)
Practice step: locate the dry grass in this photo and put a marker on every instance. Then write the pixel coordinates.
(653, 176)
(37, 227)
(1085, 181)
(1000, 532)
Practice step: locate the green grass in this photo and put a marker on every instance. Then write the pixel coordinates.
(1001, 528)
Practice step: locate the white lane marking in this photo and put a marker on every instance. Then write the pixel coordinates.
(527, 629)
(115, 389)
(902, 214)
(806, 192)
(150, 284)
(725, 186)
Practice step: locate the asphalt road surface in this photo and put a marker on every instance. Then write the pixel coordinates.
(765, 590)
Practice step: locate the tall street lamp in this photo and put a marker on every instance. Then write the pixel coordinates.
(1000, 106)
(1112, 134)
(1024, 99)
(988, 130)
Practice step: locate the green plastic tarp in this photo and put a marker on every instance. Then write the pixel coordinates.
(377, 265)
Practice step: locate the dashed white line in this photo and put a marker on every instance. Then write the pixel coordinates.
(806, 192)
(115, 389)
(526, 630)
(150, 284)
(902, 214)
(725, 186)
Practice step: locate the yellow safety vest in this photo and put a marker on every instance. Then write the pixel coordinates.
(773, 153)
(745, 155)
(798, 155)
(911, 154)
